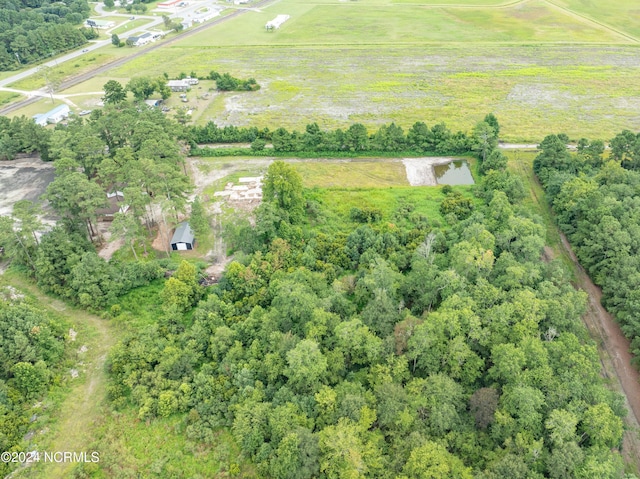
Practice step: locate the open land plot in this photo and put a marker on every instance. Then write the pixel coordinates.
(7, 97)
(623, 15)
(138, 22)
(356, 23)
(583, 90)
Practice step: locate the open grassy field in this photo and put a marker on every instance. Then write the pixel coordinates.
(138, 22)
(623, 15)
(581, 90)
(540, 66)
(354, 173)
(359, 23)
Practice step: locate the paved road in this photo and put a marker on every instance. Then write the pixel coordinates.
(94, 45)
(116, 63)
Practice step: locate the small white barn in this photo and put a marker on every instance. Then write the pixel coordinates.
(276, 22)
(183, 239)
(56, 115)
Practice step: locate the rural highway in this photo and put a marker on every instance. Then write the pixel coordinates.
(68, 83)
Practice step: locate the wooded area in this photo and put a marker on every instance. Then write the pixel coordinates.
(31, 30)
(396, 348)
(597, 202)
(388, 344)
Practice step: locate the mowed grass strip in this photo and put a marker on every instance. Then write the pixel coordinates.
(352, 174)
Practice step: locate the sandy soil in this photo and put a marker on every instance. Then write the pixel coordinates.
(420, 170)
(617, 358)
(23, 179)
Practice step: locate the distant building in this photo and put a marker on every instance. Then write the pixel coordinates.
(153, 102)
(183, 239)
(101, 24)
(276, 22)
(140, 40)
(56, 115)
(178, 85)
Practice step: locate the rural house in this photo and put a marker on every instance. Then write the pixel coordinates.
(178, 85)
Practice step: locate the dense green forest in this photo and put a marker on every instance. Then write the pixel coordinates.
(398, 348)
(597, 201)
(385, 344)
(32, 347)
(31, 30)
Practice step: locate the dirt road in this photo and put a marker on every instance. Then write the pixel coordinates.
(617, 360)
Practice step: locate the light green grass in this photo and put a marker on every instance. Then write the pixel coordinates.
(64, 70)
(41, 106)
(159, 448)
(349, 174)
(623, 15)
(356, 23)
(338, 202)
(8, 97)
(533, 90)
(138, 22)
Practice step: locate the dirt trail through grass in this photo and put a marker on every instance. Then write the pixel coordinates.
(84, 404)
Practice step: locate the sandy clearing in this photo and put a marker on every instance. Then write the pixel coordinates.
(420, 170)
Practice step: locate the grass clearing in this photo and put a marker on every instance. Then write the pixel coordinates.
(138, 22)
(352, 174)
(8, 97)
(159, 447)
(338, 202)
(356, 23)
(582, 90)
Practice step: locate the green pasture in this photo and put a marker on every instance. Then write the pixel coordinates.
(8, 97)
(138, 22)
(623, 15)
(338, 202)
(359, 23)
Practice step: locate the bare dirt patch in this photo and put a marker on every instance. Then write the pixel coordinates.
(23, 179)
(420, 170)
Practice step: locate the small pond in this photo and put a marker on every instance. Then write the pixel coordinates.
(456, 172)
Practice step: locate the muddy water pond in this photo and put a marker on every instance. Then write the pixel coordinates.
(456, 172)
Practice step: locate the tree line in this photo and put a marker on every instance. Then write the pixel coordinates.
(356, 139)
(31, 30)
(398, 347)
(597, 204)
